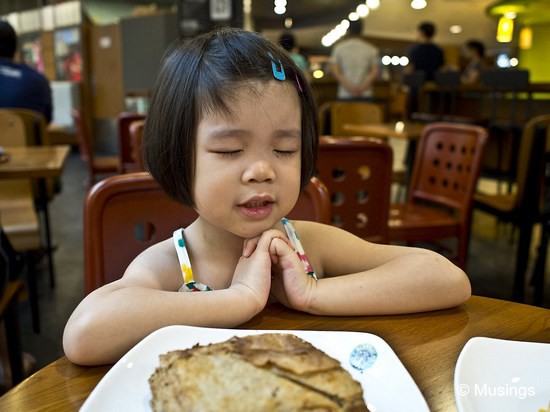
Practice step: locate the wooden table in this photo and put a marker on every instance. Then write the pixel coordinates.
(428, 344)
(38, 162)
(397, 130)
(410, 131)
(34, 161)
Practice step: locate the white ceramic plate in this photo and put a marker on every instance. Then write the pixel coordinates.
(387, 385)
(502, 375)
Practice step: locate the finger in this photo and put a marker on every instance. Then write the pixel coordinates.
(261, 242)
(249, 246)
(279, 248)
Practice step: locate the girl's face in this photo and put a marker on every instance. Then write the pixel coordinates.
(248, 164)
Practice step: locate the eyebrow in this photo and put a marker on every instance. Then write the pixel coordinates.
(222, 133)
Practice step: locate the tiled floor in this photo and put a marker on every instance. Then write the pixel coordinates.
(490, 267)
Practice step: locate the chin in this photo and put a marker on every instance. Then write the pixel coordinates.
(255, 229)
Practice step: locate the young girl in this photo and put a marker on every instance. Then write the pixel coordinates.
(231, 131)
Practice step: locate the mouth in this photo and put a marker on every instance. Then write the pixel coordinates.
(256, 203)
(257, 208)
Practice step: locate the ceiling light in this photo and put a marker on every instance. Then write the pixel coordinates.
(288, 22)
(362, 10)
(455, 29)
(418, 4)
(386, 60)
(353, 16)
(514, 62)
(505, 30)
(403, 60)
(279, 10)
(526, 38)
(503, 60)
(280, 3)
(373, 4)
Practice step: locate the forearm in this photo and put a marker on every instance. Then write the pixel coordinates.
(340, 78)
(415, 282)
(107, 324)
(370, 78)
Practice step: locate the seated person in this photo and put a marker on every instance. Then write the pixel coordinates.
(474, 52)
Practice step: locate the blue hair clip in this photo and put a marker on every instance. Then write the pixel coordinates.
(279, 74)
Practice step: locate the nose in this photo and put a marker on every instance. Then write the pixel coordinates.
(259, 171)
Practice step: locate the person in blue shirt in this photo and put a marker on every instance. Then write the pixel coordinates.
(425, 57)
(20, 85)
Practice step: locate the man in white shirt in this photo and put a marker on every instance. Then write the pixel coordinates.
(354, 64)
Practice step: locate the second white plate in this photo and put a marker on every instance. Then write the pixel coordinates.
(502, 375)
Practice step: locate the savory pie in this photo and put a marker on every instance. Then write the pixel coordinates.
(266, 372)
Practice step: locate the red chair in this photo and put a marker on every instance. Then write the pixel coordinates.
(125, 214)
(358, 173)
(136, 137)
(127, 161)
(96, 164)
(444, 177)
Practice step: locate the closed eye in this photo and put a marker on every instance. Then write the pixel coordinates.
(229, 154)
(285, 153)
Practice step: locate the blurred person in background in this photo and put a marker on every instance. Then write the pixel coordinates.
(474, 52)
(425, 56)
(288, 42)
(354, 64)
(20, 85)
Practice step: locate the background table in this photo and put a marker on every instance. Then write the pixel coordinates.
(34, 161)
(428, 344)
(38, 162)
(397, 130)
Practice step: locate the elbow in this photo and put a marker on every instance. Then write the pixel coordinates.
(75, 343)
(451, 284)
(463, 288)
(79, 345)
(458, 286)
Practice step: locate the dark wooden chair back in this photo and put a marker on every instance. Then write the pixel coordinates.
(358, 173)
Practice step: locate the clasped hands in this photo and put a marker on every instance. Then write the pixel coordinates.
(269, 264)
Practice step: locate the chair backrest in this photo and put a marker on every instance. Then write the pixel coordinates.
(12, 129)
(357, 172)
(135, 131)
(324, 117)
(447, 83)
(35, 126)
(353, 112)
(125, 214)
(415, 79)
(506, 80)
(83, 138)
(447, 79)
(313, 203)
(535, 143)
(125, 119)
(447, 164)
(512, 81)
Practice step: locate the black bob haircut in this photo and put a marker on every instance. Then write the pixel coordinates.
(203, 75)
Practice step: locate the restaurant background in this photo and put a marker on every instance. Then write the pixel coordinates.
(120, 44)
